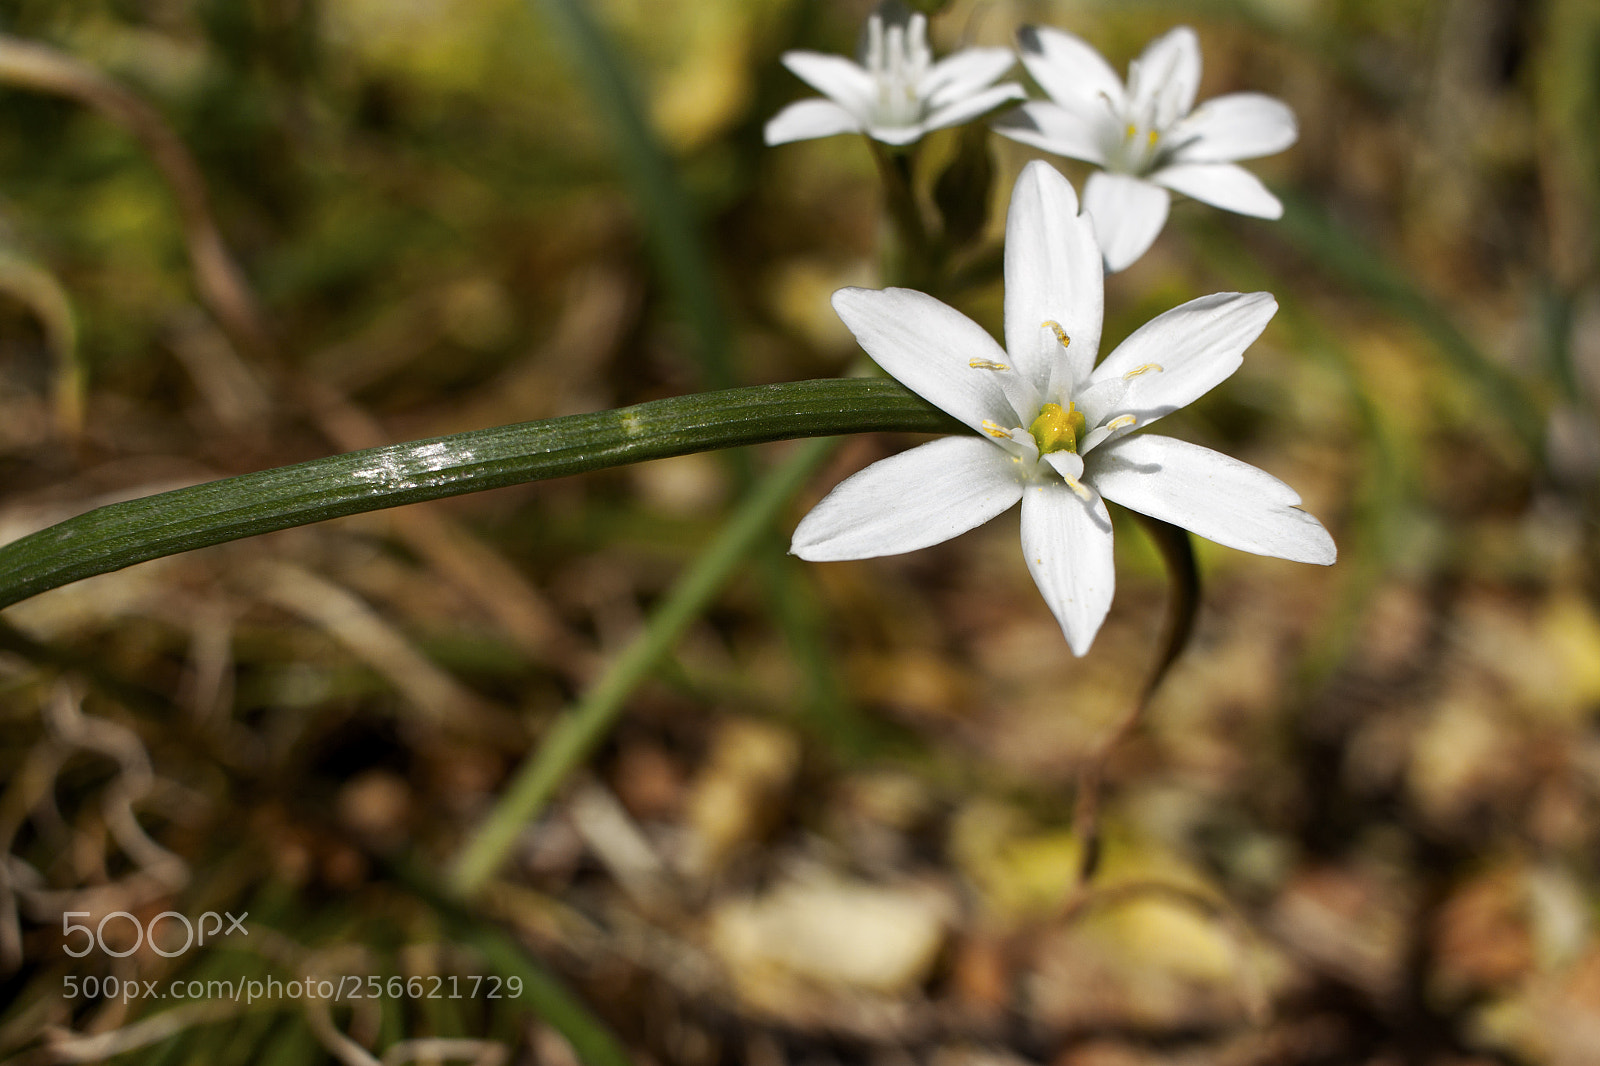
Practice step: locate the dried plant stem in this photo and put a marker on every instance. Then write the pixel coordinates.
(43, 294)
(440, 1049)
(66, 1046)
(218, 279)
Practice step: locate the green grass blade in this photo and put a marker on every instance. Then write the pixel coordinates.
(551, 1000)
(1345, 257)
(576, 733)
(121, 534)
(670, 218)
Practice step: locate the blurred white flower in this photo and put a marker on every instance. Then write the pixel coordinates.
(1149, 137)
(1054, 426)
(900, 93)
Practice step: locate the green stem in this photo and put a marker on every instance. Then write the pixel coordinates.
(683, 263)
(542, 991)
(121, 534)
(909, 261)
(1183, 576)
(551, 1000)
(577, 733)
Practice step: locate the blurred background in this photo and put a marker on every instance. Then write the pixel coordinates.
(1360, 822)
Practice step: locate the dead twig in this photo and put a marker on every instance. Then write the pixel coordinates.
(67, 1046)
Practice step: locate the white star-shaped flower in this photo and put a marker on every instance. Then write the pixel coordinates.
(1053, 425)
(898, 93)
(1148, 136)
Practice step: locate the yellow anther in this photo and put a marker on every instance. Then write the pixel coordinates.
(1077, 488)
(1057, 430)
(1145, 369)
(1121, 422)
(995, 429)
(986, 364)
(1061, 334)
(1154, 137)
(1133, 131)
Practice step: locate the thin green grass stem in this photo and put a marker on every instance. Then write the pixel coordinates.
(578, 732)
(683, 263)
(669, 216)
(1344, 256)
(550, 1000)
(542, 991)
(1384, 508)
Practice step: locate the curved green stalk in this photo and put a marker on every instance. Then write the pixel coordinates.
(121, 534)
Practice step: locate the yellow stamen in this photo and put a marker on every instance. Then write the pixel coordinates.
(1061, 334)
(1154, 137)
(1077, 488)
(985, 364)
(995, 429)
(1121, 421)
(1133, 131)
(1145, 369)
(1058, 430)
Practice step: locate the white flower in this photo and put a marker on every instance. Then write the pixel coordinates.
(1054, 431)
(901, 93)
(1145, 136)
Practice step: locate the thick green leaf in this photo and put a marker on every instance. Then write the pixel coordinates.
(121, 534)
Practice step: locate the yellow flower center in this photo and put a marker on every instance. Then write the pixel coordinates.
(1058, 430)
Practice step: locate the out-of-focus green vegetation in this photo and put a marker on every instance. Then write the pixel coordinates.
(1358, 824)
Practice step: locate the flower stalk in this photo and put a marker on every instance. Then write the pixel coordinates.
(908, 255)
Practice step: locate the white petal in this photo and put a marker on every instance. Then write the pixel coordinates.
(897, 135)
(968, 108)
(1163, 80)
(1180, 355)
(1212, 494)
(1128, 214)
(1068, 464)
(1236, 126)
(1221, 185)
(1052, 276)
(805, 119)
(930, 348)
(1068, 68)
(1077, 133)
(1066, 542)
(912, 500)
(845, 82)
(964, 73)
